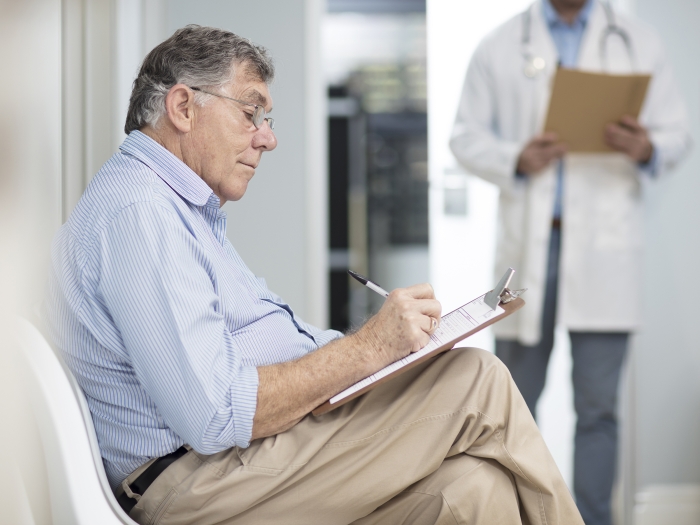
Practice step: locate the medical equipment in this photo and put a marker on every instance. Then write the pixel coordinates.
(535, 64)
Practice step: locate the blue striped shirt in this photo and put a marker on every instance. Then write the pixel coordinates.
(158, 317)
(567, 39)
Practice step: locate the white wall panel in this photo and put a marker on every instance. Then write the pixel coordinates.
(667, 352)
(30, 212)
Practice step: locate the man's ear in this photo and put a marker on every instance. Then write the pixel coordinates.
(179, 106)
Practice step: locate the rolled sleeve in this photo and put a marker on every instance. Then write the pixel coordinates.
(244, 403)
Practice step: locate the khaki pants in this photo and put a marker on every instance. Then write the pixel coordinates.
(450, 441)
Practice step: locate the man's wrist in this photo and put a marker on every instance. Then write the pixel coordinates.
(367, 348)
(648, 153)
(651, 165)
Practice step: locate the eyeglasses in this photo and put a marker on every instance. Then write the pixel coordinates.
(258, 111)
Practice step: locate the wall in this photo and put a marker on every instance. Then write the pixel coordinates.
(667, 352)
(668, 357)
(279, 227)
(89, 86)
(30, 212)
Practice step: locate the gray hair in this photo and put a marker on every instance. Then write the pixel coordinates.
(197, 57)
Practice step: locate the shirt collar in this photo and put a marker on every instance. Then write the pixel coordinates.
(168, 167)
(553, 18)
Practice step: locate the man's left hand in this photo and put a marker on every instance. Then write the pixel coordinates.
(631, 138)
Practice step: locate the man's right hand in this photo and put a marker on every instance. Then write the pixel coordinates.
(403, 325)
(290, 390)
(539, 152)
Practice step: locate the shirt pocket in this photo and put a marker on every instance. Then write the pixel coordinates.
(290, 312)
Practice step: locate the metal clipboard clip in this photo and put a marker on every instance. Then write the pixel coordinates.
(501, 294)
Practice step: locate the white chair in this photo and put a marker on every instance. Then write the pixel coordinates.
(79, 491)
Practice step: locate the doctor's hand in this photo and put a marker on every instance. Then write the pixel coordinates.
(539, 152)
(631, 138)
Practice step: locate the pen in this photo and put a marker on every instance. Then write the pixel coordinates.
(369, 284)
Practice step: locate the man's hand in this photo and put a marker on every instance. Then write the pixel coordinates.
(288, 391)
(631, 138)
(539, 152)
(403, 325)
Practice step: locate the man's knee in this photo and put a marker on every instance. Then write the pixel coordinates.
(472, 371)
(475, 359)
(595, 412)
(595, 404)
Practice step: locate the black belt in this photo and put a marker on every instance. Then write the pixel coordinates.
(148, 476)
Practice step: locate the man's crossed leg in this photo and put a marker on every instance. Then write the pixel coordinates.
(450, 441)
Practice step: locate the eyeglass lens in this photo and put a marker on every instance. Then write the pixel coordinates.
(259, 117)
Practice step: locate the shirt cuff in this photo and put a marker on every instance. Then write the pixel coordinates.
(244, 404)
(650, 167)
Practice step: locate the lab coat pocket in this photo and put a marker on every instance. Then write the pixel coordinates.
(606, 196)
(618, 220)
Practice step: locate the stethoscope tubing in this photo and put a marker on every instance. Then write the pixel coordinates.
(535, 65)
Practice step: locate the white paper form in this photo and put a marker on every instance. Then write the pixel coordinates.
(452, 325)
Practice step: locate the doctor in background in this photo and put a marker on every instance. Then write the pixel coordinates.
(571, 224)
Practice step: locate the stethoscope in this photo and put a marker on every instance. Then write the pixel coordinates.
(534, 65)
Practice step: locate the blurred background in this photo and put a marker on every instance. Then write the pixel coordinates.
(365, 97)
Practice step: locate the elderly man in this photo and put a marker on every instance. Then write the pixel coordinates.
(200, 380)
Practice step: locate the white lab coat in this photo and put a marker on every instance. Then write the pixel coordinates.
(602, 238)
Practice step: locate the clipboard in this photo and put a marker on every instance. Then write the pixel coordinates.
(583, 103)
(501, 301)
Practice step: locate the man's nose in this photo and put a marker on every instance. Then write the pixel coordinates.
(265, 138)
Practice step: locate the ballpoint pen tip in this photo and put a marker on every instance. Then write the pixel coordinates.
(358, 277)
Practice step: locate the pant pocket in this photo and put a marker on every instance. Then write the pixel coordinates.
(164, 506)
(271, 456)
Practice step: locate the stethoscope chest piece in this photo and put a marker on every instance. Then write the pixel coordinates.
(533, 66)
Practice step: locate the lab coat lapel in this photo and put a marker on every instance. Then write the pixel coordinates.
(542, 46)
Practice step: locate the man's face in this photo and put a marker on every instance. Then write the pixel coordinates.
(225, 147)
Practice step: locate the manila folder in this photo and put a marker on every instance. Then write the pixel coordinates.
(582, 104)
